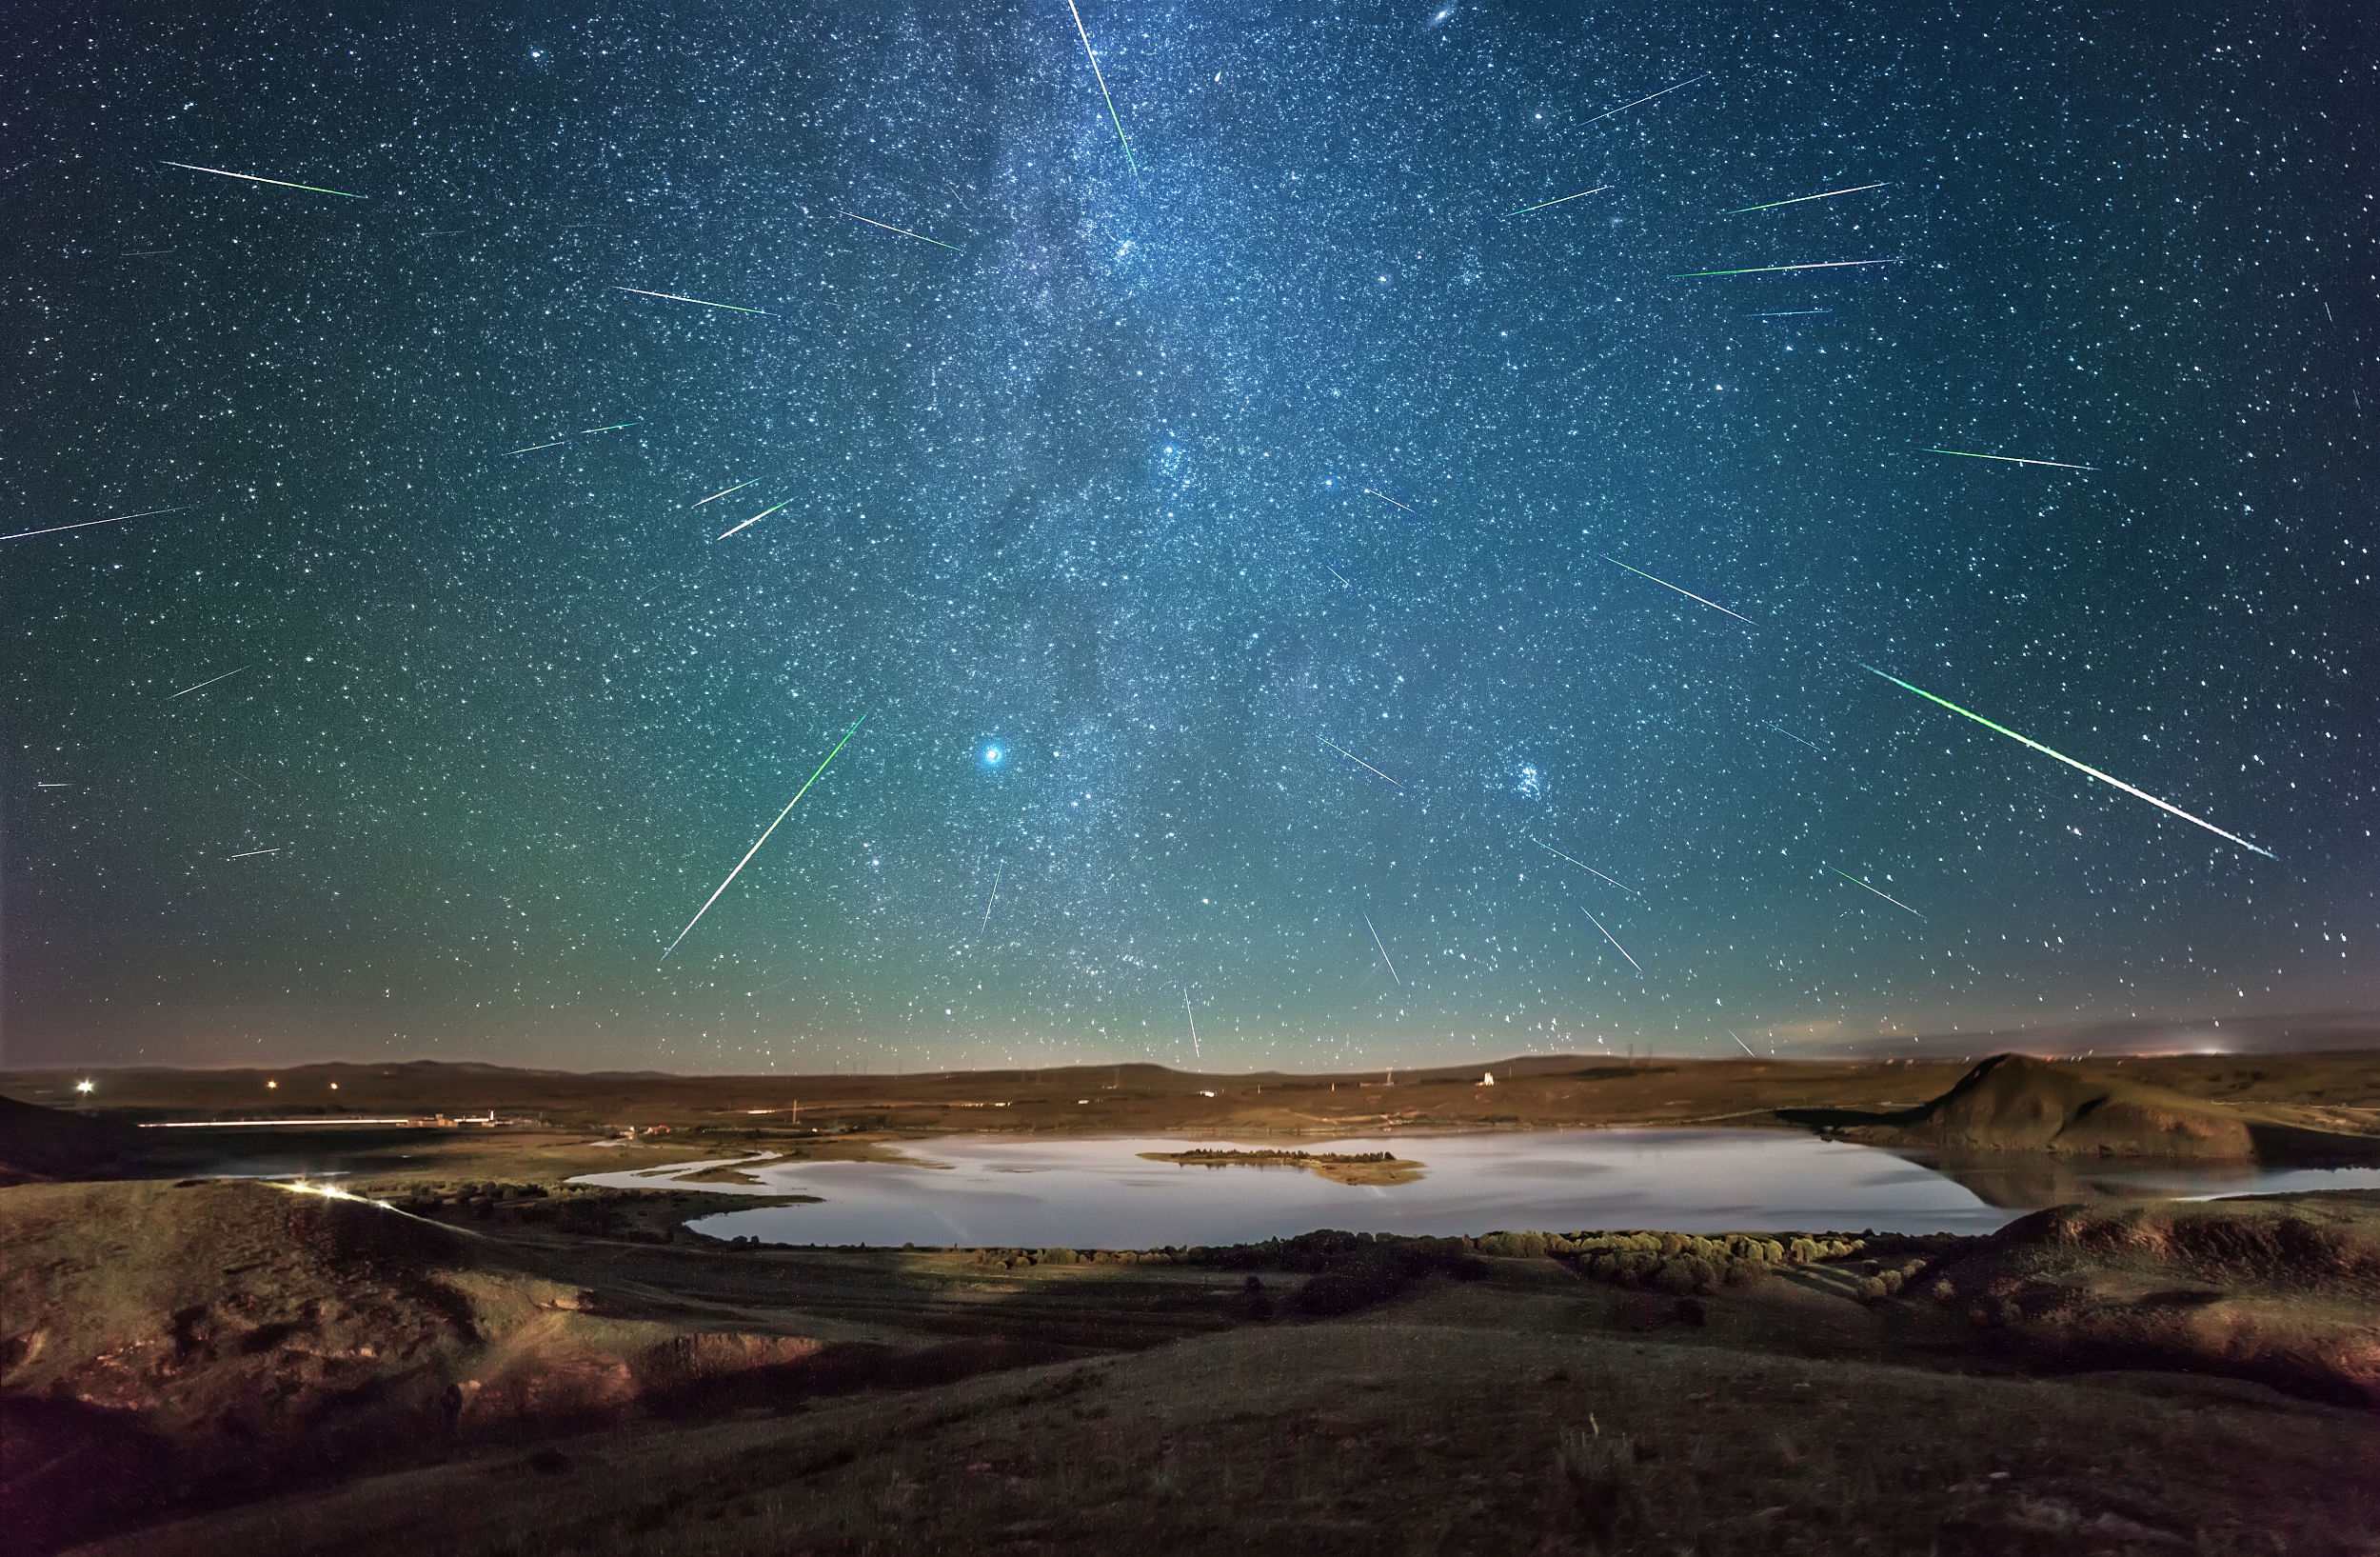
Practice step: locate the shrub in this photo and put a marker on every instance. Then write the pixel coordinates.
(1597, 1488)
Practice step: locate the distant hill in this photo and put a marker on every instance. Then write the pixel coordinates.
(2016, 1103)
(38, 1144)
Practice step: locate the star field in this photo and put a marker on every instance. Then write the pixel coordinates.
(1220, 542)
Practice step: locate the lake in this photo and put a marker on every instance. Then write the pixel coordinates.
(1097, 1192)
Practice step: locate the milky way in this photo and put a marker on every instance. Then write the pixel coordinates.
(1206, 504)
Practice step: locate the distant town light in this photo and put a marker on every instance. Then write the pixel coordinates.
(86, 1087)
(270, 1084)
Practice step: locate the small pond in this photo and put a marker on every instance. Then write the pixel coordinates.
(1098, 1192)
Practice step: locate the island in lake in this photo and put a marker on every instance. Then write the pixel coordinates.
(1340, 1167)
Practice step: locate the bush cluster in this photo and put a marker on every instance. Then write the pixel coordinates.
(1879, 1281)
(1269, 1154)
(1676, 1262)
(1021, 1259)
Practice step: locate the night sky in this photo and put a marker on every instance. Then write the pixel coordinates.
(1217, 536)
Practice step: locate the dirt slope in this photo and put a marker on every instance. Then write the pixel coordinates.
(197, 1343)
(2281, 1288)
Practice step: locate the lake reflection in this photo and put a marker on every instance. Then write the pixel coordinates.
(1010, 1191)
(1098, 1193)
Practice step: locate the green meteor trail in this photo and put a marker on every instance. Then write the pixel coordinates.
(1097, 76)
(2138, 795)
(312, 188)
(1688, 593)
(2010, 459)
(705, 302)
(1799, 198)
(534, 447)
(724, 491)
(903, 231)
(1580, 195)
(1763, 270)
(614, 428)
(1887, 896)
(763, 837)
(754, 520)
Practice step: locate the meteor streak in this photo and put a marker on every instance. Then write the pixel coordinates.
(748, 523)
(1887, 896)
(1584, 866)
(614, 428)
(903, 231)
(1352, 758)
(1787, 313)
(1580, 195)
(1761, 269)
(534, 447)
(763, 838)
(209, 682)
(251, 853)
(994, 898)
(1383, 946)
(704, 301)
(1615, 945)
(1389, 501)
(121, 518)
(1111, 114)
(1799, 198)
(1194, 1029)
(1791, 736)
(737, 487)
(2010, 459)
(2137, 794)
(283, 183)
(1663, 92)
(1740, 1043)
(1688, 593)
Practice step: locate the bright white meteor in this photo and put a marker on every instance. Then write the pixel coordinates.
(1625, 107)
(1887, 896)
(1584, 866)
(1383, 946)
(763, 838)
(1615, 945)
(1352, 758)
(145, 514)
(1688, 593)
(2138, 795)
(204, 685)
(748, 523)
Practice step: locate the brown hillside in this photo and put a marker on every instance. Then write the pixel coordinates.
(2016, 1103)
(196, 1343)
(2281, 1288)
